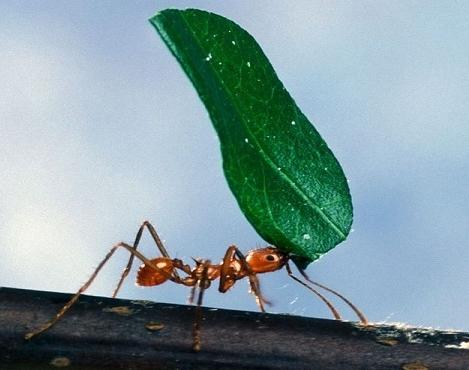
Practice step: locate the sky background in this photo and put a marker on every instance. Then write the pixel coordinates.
(101, 129)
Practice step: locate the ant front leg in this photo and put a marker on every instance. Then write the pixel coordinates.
(159, 245)
(85, 286)
(331, 307)
(360, 315)
(229, 274)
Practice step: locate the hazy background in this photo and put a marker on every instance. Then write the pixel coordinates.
(100, 129)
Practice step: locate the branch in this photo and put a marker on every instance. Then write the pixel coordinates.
(96, 335)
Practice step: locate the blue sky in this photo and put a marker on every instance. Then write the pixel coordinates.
(100, 129)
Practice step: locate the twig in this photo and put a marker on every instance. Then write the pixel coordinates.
(100, 333)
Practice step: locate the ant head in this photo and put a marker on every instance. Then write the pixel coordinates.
(266, 259)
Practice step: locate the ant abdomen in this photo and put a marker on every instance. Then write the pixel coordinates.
(149, 276)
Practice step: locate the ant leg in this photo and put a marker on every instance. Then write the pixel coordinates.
(203, 284)
(190, 300)
(253, 281)
(359, 314)
(228, 277)
(324, 299)
(85, 286)
(157, 239)
(158, 243)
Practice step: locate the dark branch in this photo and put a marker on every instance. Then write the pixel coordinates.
(95, 335)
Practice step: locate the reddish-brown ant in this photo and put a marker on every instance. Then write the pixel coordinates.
(234, 266)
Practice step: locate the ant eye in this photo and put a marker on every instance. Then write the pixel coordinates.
(270, 257)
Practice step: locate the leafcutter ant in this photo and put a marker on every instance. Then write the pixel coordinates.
(234, 266)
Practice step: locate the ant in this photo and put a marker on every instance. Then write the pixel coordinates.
(234, 266)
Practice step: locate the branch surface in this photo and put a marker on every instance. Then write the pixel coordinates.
(104, 333)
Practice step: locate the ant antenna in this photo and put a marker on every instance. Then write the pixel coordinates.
(331, 307)
(360, 315)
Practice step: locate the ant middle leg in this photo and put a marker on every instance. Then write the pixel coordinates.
(203, 283)
(138, 236)
(85, 286)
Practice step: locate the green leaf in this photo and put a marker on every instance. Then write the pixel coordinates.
(286, 180)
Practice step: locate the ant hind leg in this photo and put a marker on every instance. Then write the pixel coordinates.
(138, 236)
(85, 286)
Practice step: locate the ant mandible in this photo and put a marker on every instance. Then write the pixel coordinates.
(234, 266)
